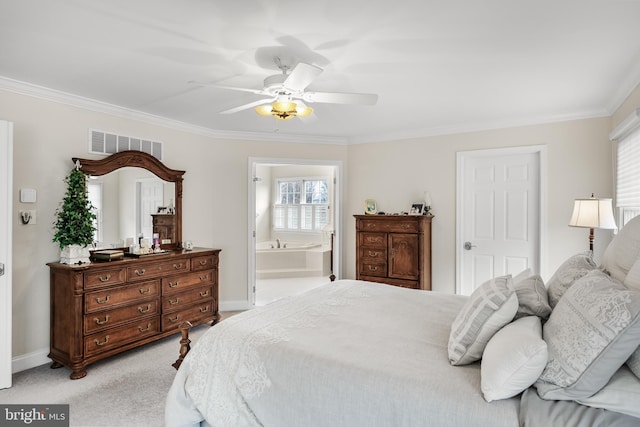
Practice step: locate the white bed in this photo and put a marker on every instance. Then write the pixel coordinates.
(353, 353)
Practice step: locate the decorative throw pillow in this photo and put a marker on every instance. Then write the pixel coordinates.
(632, 279)
(623, 251)
(513, 359)
(591, 333)
(532, 297)
(621, 394)
(489, 308)
(571, 270)
(634, 362)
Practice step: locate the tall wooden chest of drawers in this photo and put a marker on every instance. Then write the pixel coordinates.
(104, 308)
(394, 249)
(165, 226)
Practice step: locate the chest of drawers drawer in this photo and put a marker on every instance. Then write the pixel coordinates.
(373, 254)
(189, 280)
(191, 314)
(114, 297)
(157, 269)
(117, 316)
(107, 277)
(180, 300)
(398, 226)
(367, 268)
(112, 338)
(373, 240)
(204, 262)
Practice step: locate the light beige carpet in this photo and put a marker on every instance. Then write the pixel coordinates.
(126, 390)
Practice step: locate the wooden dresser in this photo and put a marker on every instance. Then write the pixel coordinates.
(104, 308)
(394, 249)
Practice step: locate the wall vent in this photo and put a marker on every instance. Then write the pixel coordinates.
(101, 142)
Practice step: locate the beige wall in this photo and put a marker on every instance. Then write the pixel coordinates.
(48, 134)
(396, 174)
(628, 106)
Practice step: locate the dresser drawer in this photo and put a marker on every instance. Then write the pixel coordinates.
(191, 314)
(179, 283)
(109, 276)
(396, 226)
(373, 240)
(107, 319)
(204, 262)
(110, 298)
(373, 269)
(373, 254)
(163, 220)
(180, 300)
(157, 269)
(116, 337)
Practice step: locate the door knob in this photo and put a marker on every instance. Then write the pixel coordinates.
(468, 246)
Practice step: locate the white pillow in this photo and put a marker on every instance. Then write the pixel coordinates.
(623, 251)
(565, 276)
(513, 359)
(532, 297)
(491, 306)
(591, 333)
(621, 394)
(632, 279)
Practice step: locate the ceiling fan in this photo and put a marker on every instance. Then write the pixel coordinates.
(286, 95)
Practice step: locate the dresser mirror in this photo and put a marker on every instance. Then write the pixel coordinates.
(129, 187)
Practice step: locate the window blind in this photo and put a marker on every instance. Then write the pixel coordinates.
(628, 171)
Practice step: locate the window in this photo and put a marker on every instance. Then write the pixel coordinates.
(302, 204)
(94, 192)
(627, 136)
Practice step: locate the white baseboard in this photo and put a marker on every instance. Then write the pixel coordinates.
(39, 357)
(30, 360)
(234, 305)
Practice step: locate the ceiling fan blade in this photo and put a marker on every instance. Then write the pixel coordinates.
(301, 76)
(341, 98)
(241, 89)
(247, 106)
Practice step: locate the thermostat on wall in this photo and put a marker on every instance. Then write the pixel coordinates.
(27, 195)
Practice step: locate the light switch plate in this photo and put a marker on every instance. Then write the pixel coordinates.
(27, 195)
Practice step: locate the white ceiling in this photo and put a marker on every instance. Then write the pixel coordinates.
(437, 66)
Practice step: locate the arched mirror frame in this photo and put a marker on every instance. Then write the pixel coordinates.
(141, 160)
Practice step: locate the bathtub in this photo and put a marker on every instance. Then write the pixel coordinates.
(292, 259)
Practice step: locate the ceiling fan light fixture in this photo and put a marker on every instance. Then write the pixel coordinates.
(264, 110)
(303, 111)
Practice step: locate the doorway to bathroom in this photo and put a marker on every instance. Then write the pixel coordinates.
(294, 226)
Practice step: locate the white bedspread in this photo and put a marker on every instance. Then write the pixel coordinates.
(346, 354)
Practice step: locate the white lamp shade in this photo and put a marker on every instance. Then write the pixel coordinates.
(593, 213)
(427, 199)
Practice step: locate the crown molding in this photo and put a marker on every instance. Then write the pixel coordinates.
(61, 97)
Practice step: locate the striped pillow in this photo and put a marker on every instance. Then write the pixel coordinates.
(489, 308)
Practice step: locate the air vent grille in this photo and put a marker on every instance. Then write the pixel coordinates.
(101, 142)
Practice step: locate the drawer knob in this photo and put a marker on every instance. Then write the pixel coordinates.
(204, 293)
(374, 253)
(105, 278)
(139, 272)
(175, 319)
(204, 309)
(143, 310)
(173, 284)
(145, 292)
(177, 266)
(175, 301)
(98, 342)
(371, 225)
(101, 322)
(203, 278)
(203, 263)
(103, 301)
(141, 329)
(372, 268)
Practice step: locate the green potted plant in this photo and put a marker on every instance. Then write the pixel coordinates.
(75, 220)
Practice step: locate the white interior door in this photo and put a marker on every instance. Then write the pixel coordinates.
(6, 194)
(499, 215)
(151, 196)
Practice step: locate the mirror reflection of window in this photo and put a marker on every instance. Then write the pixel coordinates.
(94, 190)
